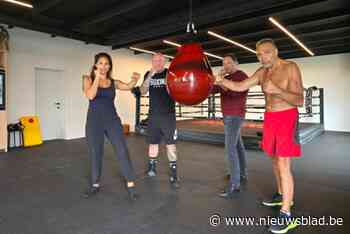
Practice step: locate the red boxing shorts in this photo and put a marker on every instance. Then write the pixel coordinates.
(280, 134)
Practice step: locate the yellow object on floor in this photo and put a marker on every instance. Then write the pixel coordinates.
(31, 131)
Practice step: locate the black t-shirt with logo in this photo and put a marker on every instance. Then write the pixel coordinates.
(160, 103)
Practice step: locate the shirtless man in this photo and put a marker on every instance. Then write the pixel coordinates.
(282, 85)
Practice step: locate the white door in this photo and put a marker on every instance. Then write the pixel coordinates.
(49, 103)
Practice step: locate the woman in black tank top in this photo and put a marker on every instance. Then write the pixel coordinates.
(103, 120)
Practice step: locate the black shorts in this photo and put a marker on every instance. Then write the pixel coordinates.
(161, 127)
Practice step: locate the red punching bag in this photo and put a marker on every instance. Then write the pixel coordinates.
(190, 78)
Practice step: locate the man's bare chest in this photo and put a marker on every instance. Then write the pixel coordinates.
(278, 78)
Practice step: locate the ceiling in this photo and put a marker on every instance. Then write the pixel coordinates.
(322, 25)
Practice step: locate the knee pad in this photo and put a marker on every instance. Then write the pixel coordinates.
(171, 153)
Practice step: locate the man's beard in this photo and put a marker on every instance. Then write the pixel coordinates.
(267, 65)
(160, 69)
(228, 70)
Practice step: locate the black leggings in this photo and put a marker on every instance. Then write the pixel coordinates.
(95, 132)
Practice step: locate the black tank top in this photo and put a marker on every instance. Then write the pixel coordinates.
(160, 103)
(102, 105)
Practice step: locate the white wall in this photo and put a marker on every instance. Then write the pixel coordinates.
(30, 50)
(331, 72)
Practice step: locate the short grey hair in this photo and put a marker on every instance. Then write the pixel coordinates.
(266, 40)
(159, 55)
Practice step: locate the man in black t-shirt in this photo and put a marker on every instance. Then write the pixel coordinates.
(161, 117)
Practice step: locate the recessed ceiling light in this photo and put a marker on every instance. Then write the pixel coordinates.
(19, 3)
(148, 51)
(231, 41)
(291, 35)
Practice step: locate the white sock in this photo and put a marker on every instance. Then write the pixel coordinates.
(286, 212)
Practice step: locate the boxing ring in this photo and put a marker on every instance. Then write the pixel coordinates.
(203, 122)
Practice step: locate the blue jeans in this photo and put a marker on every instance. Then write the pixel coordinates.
(234, 149)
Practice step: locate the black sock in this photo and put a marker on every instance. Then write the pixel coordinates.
(153, 160)
(172, 164)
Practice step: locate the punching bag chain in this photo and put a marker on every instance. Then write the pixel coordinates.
(190, 24)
